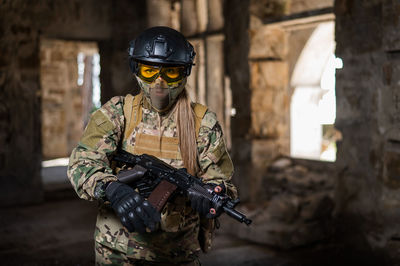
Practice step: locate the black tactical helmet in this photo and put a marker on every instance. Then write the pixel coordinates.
(161, 45)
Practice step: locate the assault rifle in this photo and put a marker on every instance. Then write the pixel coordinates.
(160, 180)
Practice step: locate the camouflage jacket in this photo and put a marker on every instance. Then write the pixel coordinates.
(89, 169)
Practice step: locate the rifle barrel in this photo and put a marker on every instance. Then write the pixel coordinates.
(237, 215)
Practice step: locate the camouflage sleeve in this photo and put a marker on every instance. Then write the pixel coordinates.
(215, 163)
(89, 166)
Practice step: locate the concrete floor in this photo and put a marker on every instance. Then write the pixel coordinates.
(60, 232)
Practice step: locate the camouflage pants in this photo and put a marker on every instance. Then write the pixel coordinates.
(108, 256)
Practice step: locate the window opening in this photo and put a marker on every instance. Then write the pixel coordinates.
(313, 103)
(70, 90)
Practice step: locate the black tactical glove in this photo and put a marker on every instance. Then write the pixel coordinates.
(203, 205)
(135, 213)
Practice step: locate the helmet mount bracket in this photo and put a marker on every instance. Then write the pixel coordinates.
(159, 48)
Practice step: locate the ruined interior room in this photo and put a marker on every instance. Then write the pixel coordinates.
(307, 93)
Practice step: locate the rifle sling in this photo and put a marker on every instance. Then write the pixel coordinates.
(158, 198)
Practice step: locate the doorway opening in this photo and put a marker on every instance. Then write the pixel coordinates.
(70, 91)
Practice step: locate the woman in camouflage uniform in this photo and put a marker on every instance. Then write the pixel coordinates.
(160, 121)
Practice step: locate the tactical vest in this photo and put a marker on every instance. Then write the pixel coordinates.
(150, 144)
(166, 148)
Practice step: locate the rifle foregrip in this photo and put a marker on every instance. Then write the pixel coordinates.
(237, 215)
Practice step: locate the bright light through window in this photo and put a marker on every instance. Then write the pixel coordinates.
(81, 68)
(95, 76)
(96, 80)
(313, 103)
(313, 113)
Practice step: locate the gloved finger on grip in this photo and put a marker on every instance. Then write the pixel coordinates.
(126, 222)
(137, 222)
(138, 199)
(127, 203)
(148, 222)
(123, 205)
(151, 211)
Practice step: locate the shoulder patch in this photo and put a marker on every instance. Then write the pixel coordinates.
(97, 128)
(99, 118)
(102, 120)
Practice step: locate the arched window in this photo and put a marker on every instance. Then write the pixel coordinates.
(313, 104)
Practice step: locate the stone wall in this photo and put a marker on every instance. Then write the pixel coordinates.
(20, 155)
(110, 25)
(369, 118)
(294, 208)
(290, 201)
(203, 23)
(259, 56)
(272, 10)
(237, 21)
(277, 37)
(128, 19)
(23, 25)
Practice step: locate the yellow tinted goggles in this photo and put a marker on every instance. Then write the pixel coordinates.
(170, 74)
